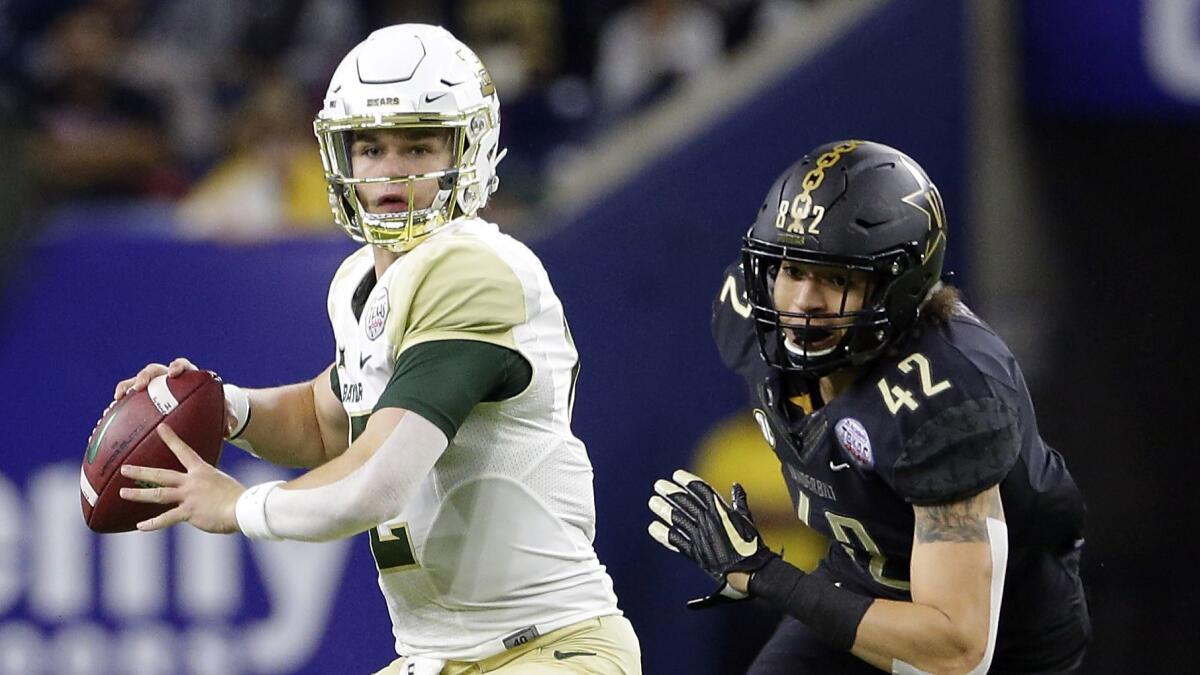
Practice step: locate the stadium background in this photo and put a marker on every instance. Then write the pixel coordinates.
(1063, 135)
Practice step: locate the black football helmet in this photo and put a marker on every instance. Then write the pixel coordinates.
(861, 207)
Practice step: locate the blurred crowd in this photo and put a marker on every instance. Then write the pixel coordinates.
(207, 106)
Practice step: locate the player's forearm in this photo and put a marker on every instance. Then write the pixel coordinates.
(883, 633)
(283, 426)
(367, 485)
(959, 556)
(921, 636)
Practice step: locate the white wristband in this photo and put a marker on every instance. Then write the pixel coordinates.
(240, 402)
(241, 408)
(251, 510)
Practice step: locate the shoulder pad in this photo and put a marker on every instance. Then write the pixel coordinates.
(732, 325)
(959, 452)
(451, 289)
(956, 414)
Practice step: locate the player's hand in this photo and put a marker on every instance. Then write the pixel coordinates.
(142, 379)
(695, 521)
(202, 495)
(174, 369)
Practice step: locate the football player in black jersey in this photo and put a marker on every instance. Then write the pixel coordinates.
(905, 434)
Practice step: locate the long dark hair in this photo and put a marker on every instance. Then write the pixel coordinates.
(936, 311)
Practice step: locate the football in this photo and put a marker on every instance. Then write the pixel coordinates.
(193, 404)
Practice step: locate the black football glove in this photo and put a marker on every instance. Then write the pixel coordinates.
(695, 521)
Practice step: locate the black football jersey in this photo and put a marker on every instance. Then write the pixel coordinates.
(943, 416)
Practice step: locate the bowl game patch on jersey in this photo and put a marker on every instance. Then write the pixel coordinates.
(853, 437)
(377, 313)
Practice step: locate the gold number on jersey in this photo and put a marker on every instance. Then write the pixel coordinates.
(729, 292)
(392, 549)
(802, 506)
(927, 386)
(842, 527)
(897, 397)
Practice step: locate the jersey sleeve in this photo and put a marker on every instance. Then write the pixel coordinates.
(456, 290)
(732, 325)
(959, 452)
(961, 431)
(443, 380)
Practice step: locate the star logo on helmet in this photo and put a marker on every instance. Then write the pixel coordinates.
(927, 200)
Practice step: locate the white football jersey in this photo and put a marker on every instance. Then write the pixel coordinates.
(496, 546)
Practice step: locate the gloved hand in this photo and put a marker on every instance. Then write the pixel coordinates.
(695, 521)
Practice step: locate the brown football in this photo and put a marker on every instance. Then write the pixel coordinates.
(193, 404)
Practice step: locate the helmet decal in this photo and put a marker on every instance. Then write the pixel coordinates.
(928, 201)
(802, 207)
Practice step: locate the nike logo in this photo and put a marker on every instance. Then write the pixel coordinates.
(566, 655)
(431, 99)
(362, 360)
(839, 467)
(744, 548)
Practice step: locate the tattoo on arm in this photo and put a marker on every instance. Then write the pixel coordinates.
(963, 521)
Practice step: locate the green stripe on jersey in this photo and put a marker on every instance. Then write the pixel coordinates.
(444, 380)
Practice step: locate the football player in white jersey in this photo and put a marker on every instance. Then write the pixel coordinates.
(444, 419)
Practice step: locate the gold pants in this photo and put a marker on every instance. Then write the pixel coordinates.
(605, 645)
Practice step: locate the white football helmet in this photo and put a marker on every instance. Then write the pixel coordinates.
(402, 77)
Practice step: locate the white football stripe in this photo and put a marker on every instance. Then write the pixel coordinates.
(161, 395)
(89, 492)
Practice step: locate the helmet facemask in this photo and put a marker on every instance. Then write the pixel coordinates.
(459, 190)
(402, 79)
(856, 207)
(804, 342)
